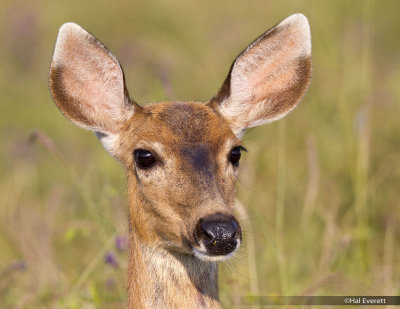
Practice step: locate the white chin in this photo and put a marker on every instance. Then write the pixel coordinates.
(204, 256)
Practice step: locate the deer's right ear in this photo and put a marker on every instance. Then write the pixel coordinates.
(269, 77)
(87, 82)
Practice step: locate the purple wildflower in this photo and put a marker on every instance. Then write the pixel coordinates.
(111, 260)
(121, 243)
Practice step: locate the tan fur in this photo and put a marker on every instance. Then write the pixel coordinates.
(192, 177)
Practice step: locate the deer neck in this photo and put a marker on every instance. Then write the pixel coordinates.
(162, 278)
(159, 278)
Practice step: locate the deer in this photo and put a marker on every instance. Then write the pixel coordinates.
(181, 158)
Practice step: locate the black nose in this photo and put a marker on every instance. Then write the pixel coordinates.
(220, 234)
(219, 228)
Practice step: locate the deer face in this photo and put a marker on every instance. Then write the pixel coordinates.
(182, 161)
(182, 158)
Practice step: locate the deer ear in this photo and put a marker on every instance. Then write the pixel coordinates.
(87, 82)
(268, 79)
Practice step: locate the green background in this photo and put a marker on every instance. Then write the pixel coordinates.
(320, 187)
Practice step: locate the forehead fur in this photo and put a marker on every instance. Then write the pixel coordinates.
(188, 122)
(179, 127)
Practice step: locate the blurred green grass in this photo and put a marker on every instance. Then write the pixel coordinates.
(320, 186)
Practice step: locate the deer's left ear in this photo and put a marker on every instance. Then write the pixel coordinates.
(87, 82)
(268, 79)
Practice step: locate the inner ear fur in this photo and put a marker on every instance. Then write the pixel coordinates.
(268, 79)
(87, 82)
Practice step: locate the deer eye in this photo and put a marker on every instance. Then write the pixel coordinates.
(144, 159)
(235, 155)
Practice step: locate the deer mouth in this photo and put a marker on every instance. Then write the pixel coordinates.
(203, 254)
(217, 238)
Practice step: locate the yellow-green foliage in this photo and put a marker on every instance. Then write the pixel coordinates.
(320, 187)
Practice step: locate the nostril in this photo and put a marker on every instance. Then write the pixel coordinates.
(208, 228)
(234, 227)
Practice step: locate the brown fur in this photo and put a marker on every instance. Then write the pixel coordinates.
(192, 177)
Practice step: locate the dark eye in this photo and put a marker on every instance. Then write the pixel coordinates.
(235, 155)
(144, 159)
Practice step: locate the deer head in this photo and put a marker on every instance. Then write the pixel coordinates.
(182, 158)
